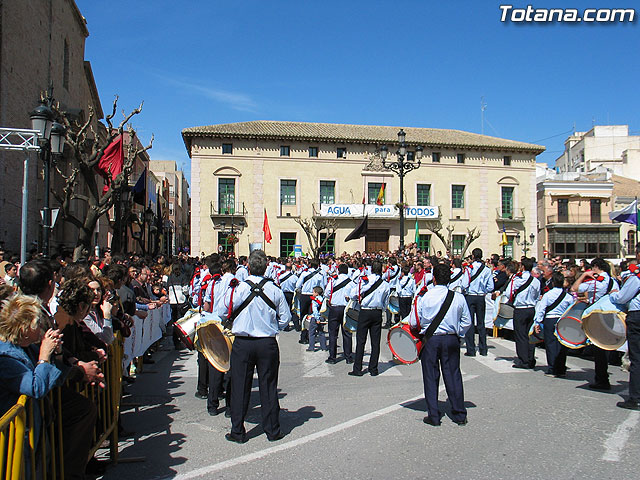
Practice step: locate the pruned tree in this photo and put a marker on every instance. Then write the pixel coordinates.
(437, 227)
(87, 149)
(313, 227)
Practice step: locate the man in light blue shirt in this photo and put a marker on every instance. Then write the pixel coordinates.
(337, 290)
(524, 292)
(255, 325)
(405, 288)
(477, 282)
(287, 281)
(306, 281)
(441, 351)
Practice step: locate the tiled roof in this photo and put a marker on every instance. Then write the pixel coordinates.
(625, 187)
(337, 133)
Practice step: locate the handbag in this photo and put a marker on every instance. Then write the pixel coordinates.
(182, 308)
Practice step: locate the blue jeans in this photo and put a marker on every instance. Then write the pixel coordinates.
(316, 330)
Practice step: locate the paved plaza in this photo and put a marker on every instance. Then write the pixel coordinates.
(522, 424)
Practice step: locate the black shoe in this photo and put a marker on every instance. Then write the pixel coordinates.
(214, 413)
(374, 373)
(521, 365)
(348, 361)
(483, 354)
(461, 422)
(331, 361)
(629, 405)
(201, 395)
(561, 375)
(96, 467)
(600, 386)
(279, 436)
(469, 354)
(430, 421)
(227, 413)
(357, 373)
(301, 341)
(235, 438)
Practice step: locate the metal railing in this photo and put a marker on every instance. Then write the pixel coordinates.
(578, 218)
(516, 215)
(12, 428)
(228, 208)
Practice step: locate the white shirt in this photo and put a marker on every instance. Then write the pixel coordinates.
(547, 299)
(406, 287)
(337, 298)
(529, 296)
(482, 284)
(287, 282)
(458, 281)
(310, 279)
(379, 298)
(457, 319)
(242, 272)
(597, 288)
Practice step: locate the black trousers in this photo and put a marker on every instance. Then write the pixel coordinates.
(216, 387)
(601, 365)
(336, 316)
(78, 421)
(249, 353)
(369, 322)
(477, 308)
(522, 321)
(404, 304)
(294, 316)
(633, 339)
(305, 309)
(556, 352)
(442, 353)
(203, 375)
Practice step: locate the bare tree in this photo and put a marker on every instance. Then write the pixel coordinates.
(437, 227)
(313, 227)
(87, 148)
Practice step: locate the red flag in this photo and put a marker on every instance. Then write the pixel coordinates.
(266, 229)
(111, 162)
(380, 199)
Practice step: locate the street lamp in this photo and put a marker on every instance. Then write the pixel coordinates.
(401, 167)
(51, 138)
(525, 245)
(148, 218)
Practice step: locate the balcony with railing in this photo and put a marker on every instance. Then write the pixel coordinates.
(509, 215)
(222, 209)
(578, 218)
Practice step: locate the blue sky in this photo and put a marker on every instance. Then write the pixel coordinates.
(406, 63)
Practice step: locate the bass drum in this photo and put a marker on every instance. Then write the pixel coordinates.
(186, 328)
(504, 311)
(295, 303)
(324, 310)
(215, 343)
(569, 330)
(605, 324)
(535, 338)
(404, 345)
(351, 316)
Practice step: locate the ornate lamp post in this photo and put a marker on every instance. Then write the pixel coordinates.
(401, 166)
(148, 220)
(51, 136)
(525, 245)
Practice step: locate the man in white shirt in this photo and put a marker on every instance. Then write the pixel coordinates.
(524, 292)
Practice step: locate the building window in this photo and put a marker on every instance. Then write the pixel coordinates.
(596, 216)
(457, 244)
(171, 190)
(507, 202)
(508, 248)
(226, 195)
(631, 242)
(435, 157)
(563, 210)
(227, 148)
(327, 192)
(457, 196)
(424, 195)
(284, 151)
(506, 160)
(287, 192)
(373, 190)
(170, 208)
(65, 66)
(287, 241)
(330, 246)
(313, 151)
(424, 242)
(460, 157)
(574, 244)
(342, 152)
(411, 156)
(224, 242)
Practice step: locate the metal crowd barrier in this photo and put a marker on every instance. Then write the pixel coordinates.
(23, 457)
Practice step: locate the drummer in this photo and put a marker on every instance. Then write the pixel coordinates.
(457, 273)
(336, 290)
(441, 351)
(524, 292)
(478, 281)
(596, 283)
(548, 311)
(629, 295)
(287, 283)
(405, 288)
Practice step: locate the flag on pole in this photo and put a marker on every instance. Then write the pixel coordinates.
(266, 229)
(417, 233)
(140, 189)
(111, 162)
(380, 199)
(360, 230)
(504, 241)
(628, 214)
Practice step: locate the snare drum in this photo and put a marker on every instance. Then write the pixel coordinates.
(569, 330)
(504, 311)
(404, 345)
(186, 328)
(215, 344)
(605, 324)
(394, 304)
(351, 316)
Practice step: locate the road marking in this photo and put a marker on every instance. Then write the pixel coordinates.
(314, 364)
(511, 346)
(211, 469)
(615, 443)
(497, 365)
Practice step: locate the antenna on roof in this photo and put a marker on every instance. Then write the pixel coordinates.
(483, 107)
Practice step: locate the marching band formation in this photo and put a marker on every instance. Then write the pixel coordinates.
(431, 305)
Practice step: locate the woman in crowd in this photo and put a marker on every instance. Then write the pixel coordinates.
(98, 320)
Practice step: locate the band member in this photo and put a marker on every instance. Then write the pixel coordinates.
(629, 295)
(287, 283)
(316, 327)
(242, 272)
(255, 323)
(405, 289)
(372, 293)
(548, 311)
(457, 274)
(595, 284)
(305, 284)
(478, 281)
(336, 290)
(441, 350)
(524, 292)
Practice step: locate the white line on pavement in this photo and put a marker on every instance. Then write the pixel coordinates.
(495, 364)
(208, 470)
(615, 443)
(314, 365)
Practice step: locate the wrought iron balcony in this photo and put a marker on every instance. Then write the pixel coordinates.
(516, 215)
(227, 209)
(581, 218)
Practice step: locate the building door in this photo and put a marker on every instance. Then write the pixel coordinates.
(376, 240)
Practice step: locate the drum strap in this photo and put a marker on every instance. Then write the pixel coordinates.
(402, 287)
(310, 276)
(338, 287)
(556, 302)
(477, 274)
(394, 275)
(459, 274)
(437, 320)
(286, 277)
(522, 288)
(256, 291)
(375, 285)
(610, 285)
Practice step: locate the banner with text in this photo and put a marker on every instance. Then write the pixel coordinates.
(378, 211)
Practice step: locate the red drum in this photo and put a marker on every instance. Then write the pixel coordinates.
(404, 345)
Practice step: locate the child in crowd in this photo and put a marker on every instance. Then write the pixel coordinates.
(316, 322)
